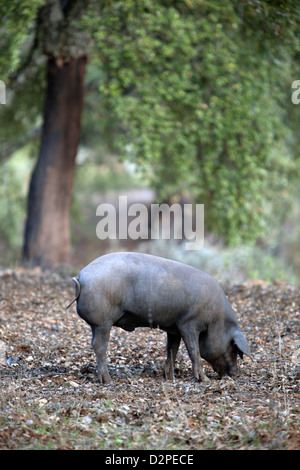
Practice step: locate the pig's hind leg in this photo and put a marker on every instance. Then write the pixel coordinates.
(99, 342)
(173, 342)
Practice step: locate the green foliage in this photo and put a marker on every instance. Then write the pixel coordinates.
(197, 93)
(17, 17)
(13, 186)
(23, 74)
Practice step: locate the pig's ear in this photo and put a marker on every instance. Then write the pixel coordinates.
(241, 343)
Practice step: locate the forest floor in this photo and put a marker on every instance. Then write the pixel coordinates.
(50, 397)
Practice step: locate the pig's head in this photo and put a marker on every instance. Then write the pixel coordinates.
(221, 350)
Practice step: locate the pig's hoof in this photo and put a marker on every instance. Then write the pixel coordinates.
(169, 375)
(104, 378)
(204, 378)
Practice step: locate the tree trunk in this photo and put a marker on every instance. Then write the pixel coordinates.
(47, 237)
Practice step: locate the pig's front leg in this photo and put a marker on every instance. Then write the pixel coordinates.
(191, 339)
(99, 343)
(173, 342)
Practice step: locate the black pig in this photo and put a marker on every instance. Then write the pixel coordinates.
(131, 290)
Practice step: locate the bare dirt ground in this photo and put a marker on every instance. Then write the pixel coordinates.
(50, 397)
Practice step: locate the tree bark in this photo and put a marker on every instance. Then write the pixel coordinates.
(47, 237)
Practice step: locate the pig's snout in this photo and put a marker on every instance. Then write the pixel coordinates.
(226, 365)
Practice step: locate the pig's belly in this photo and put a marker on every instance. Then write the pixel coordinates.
(129, 321)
